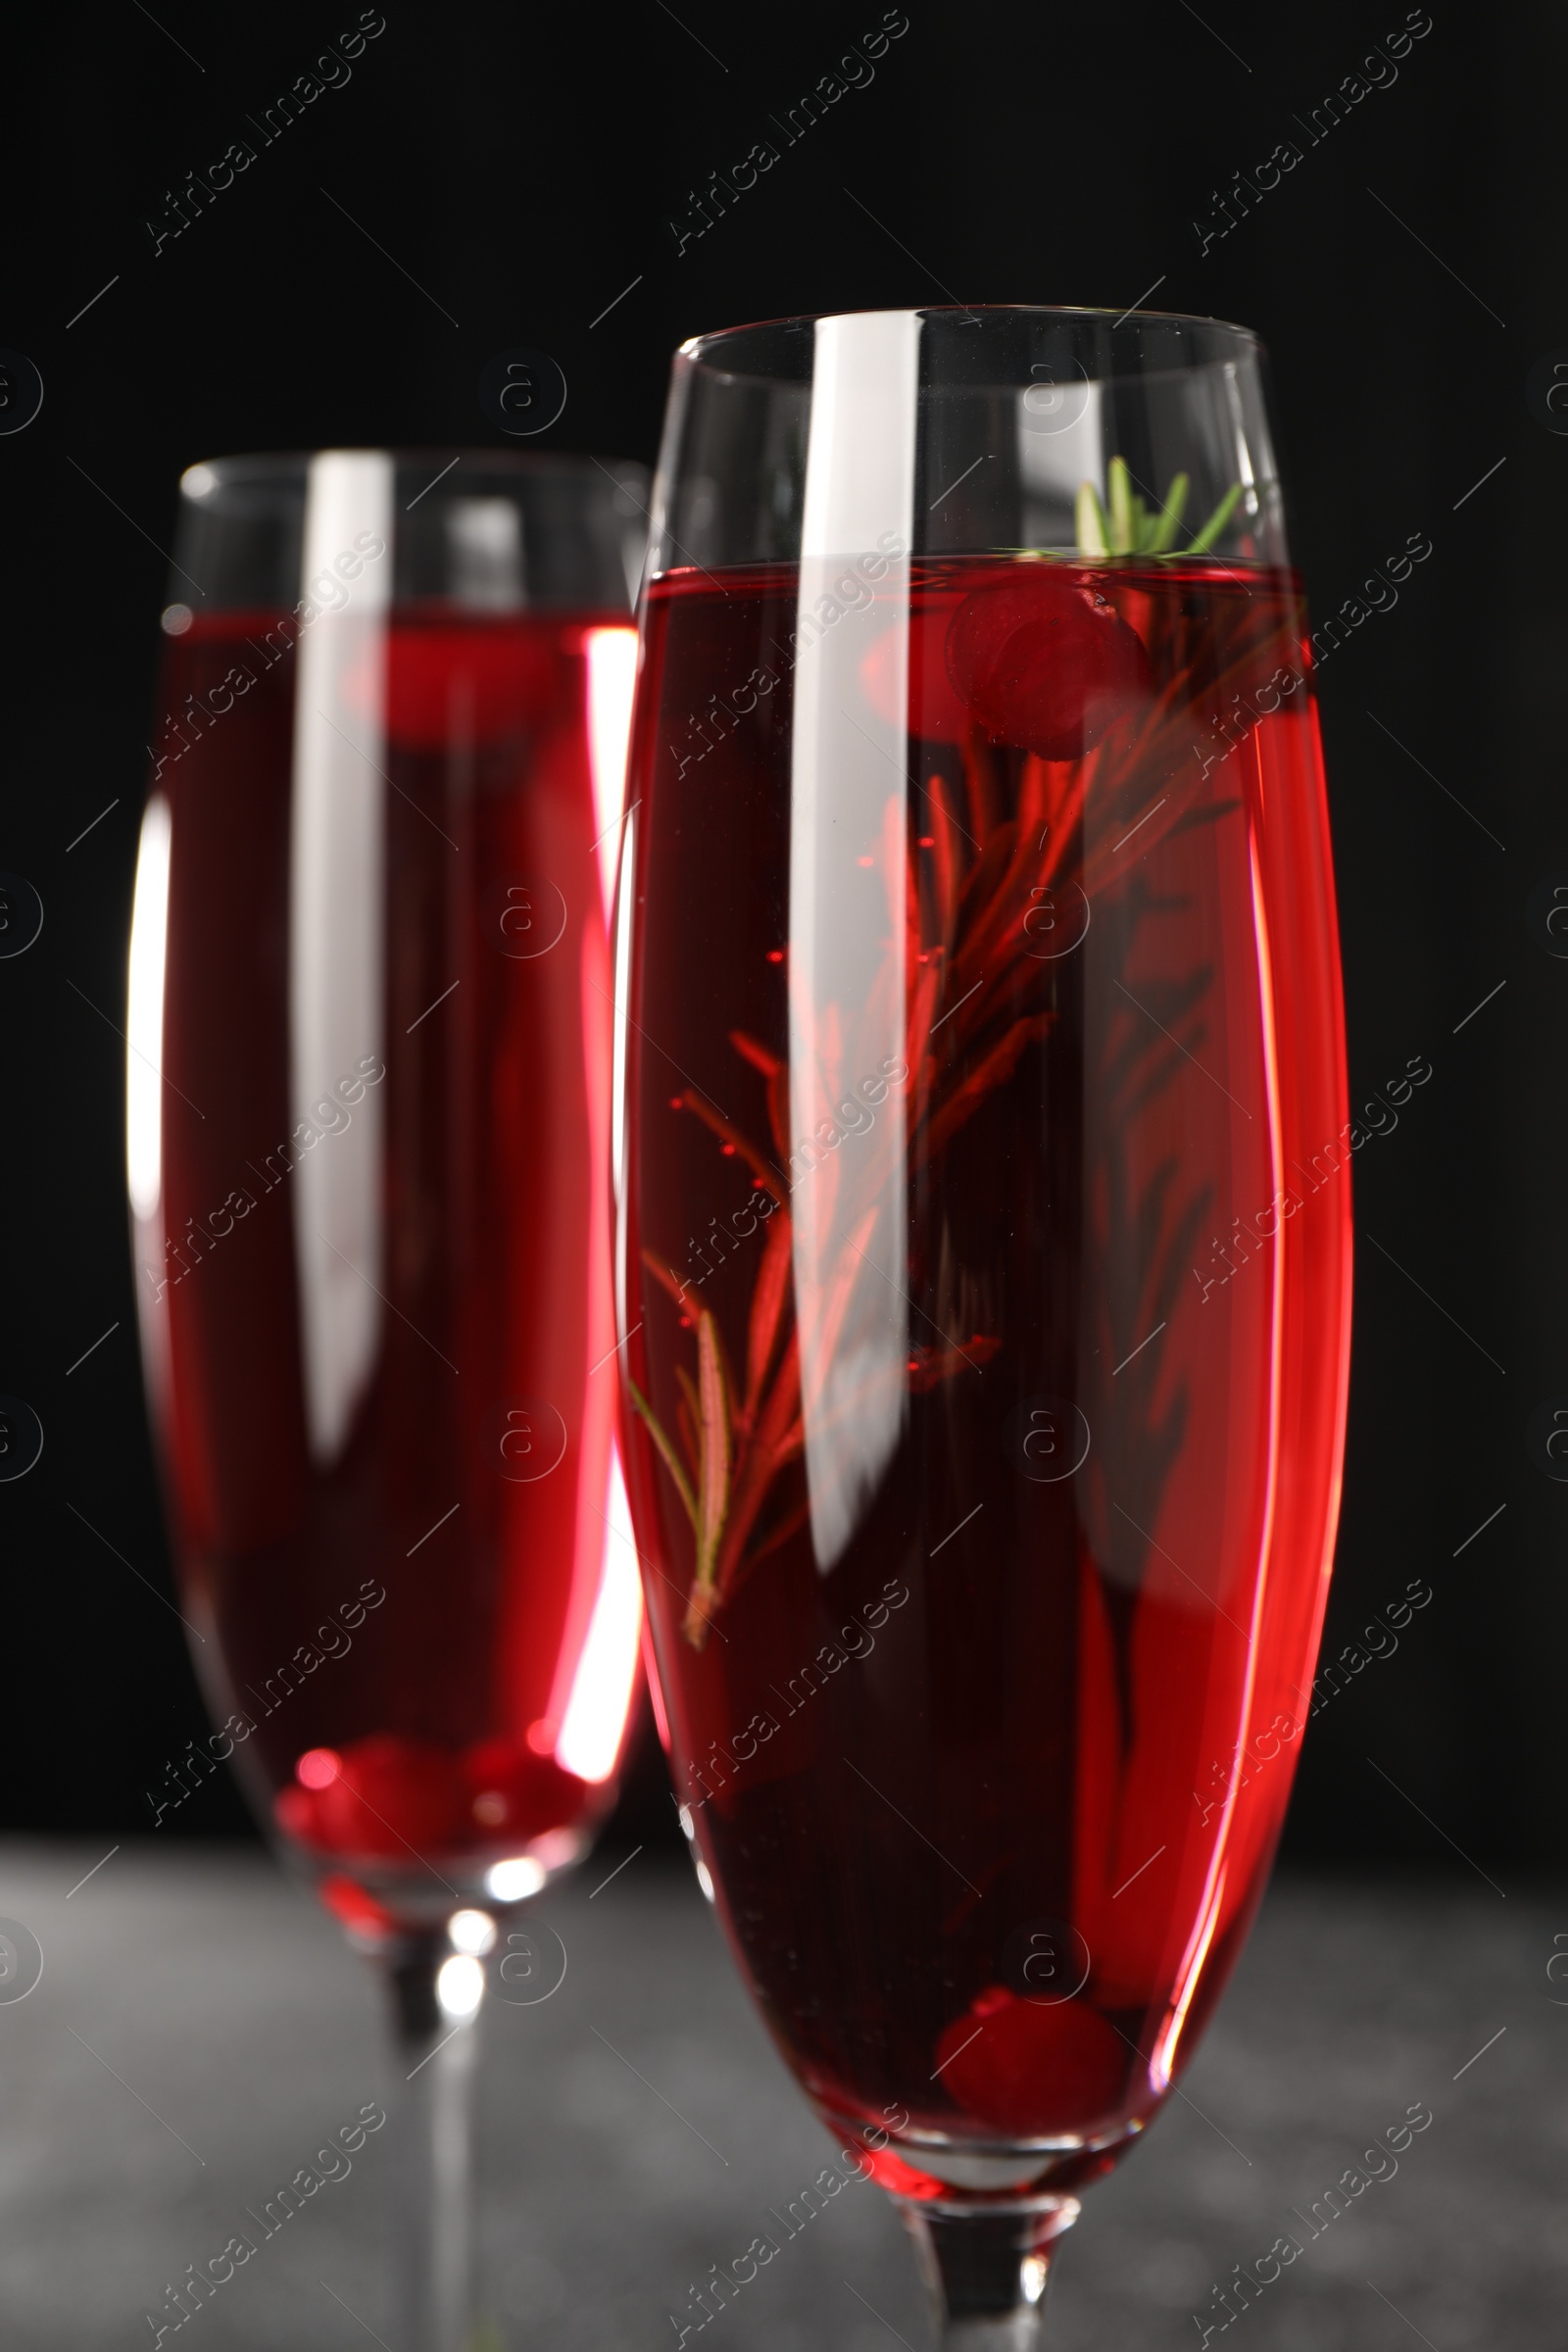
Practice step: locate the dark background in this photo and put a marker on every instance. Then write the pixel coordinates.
(509, 172)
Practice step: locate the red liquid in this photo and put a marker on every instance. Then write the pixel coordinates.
(987, 1794)
(396, 1587)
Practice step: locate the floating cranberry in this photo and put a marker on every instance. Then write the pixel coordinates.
(515, 1793)
(402, 1800)
(1046, 661)
(1033, 2069)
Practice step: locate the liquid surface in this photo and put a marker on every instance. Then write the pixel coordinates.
(985, 1247)
(375, 1286)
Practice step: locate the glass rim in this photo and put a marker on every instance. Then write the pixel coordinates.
(282, 466)
(701, 350)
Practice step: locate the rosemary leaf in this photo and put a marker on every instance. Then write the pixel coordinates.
(768, 1305)
(1119, 489)
(1169, 516)
(664, 1276)
(758, 1055)
(1216, 521)
(726, 1134)
(691, 1420)
(714, 1432)
(1094, 532)
(666, 1451)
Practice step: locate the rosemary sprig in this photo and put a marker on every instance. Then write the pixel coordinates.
(965, 921)
(1131, 528)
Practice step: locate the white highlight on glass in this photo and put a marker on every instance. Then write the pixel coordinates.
(144, 1014)
(514, 1880)
(1055, 452)
(612, 676)
(460, 1984)
(589, 1740)
(848, 792)
(337, 979)
(484, 554)
(621, 990)
(472, 1931)
(557, 1849)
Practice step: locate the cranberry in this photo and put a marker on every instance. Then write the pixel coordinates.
(1033, 2069)
(515, 1793)
(1045, 661)
(399, 1799)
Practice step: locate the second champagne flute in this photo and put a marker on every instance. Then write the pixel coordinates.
(368, 1102)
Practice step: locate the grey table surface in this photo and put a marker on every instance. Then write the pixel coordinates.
(199, 2028)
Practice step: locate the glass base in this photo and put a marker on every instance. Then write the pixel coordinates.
(940, 2169)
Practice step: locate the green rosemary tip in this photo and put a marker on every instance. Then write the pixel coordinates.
(1125, 526)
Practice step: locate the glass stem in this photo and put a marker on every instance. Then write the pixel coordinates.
(986, 2269)
(435, 2049)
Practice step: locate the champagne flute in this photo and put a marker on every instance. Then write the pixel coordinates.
(368, 1103)
(983, 1246)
